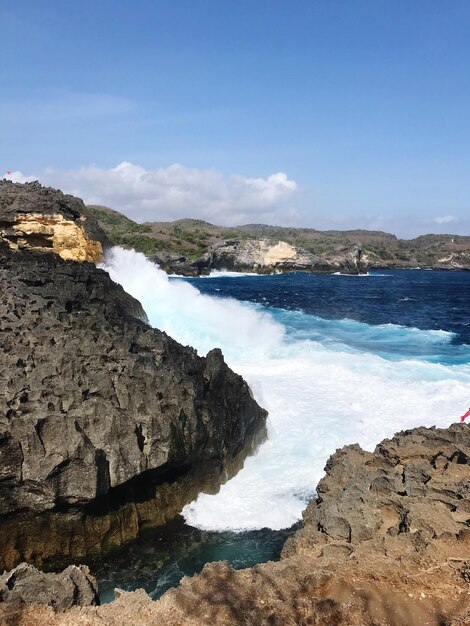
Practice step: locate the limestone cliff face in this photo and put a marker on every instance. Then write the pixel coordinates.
(455, 261)
(97, 409)
(38, 218)
(267, 256)
(52, 233)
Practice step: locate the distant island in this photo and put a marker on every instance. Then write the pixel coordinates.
(194, 247)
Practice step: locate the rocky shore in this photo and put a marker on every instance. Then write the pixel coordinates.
(194, 247)
(386, 541)
(106, 424)
(265, 256)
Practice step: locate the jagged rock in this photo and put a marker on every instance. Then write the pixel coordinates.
(386, 542)
(27, 585)
(101, 415)
(45, 219)
(410, 496)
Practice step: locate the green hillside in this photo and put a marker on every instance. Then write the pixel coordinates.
(191, 238)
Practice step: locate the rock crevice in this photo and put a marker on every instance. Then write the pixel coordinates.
(385, 542)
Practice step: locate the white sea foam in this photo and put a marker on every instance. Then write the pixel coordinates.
(366, 275)
(190, 317)
(228, 274)
(320, 392)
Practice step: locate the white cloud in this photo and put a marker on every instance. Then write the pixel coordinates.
(445, 219)
(177, 191)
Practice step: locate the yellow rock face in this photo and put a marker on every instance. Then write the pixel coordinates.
(278, 253)
(53, 233)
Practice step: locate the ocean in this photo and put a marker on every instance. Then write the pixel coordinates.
(335, 359)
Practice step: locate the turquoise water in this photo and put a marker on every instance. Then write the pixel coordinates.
(334, 359)
(160, 558)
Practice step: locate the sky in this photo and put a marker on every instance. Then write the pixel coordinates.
(319, 113)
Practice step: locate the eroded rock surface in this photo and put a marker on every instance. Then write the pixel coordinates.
(386, 542)
(27, 585)
(46, 220)
(106, 425)
(266, 256)
(408, 499)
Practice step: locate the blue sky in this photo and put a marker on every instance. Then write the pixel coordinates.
(325, 113)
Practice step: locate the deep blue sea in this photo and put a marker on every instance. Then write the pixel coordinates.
(423, 299)
(334, 359)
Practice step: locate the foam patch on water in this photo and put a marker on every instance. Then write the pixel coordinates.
(325, 384)
(365, 275)
(227, 274)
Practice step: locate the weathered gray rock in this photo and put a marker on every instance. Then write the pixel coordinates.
(410, 496)
(91, 396)
(265, 256)
(97, 409)
(25, 584)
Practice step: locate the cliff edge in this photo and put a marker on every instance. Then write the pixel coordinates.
(106, 424)
(266, 256)
(33, 217)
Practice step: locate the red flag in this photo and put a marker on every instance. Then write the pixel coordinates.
(467, 414)
(8, 173)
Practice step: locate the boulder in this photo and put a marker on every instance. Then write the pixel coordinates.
(265, 256)
(25, 584)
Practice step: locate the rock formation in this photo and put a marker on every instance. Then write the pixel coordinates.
(454, 261)
(27, 585)
(408, 500)
(44, 219)
(187, 244)
(106, 425)
(385, 542)
(266, 256)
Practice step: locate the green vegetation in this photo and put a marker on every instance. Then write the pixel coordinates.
(192, 238)
(116, 222)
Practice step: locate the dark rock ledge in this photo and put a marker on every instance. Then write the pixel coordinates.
(106, 424)
(386, 542)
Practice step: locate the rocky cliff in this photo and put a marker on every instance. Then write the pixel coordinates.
(385, 542)
(46, 220)
(265, 256)
(106, 425)
(187, 245)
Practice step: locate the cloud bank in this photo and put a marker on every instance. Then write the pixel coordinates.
(177, 191)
